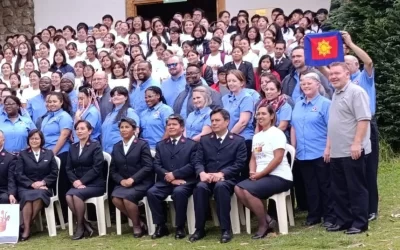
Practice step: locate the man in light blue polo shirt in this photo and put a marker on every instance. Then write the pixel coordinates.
(176, 83)
(365, 79)
(137, 101)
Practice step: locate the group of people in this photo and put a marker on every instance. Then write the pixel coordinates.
(205, 109)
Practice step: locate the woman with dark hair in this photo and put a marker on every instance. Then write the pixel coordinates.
(44, 67)
(88, 110)
(159, 30)
(153, 119)
(175, 43)
(107, 63)
(201, 44)
(69, 34)
(134, 41)
(248, 54)
(287, 33)
(44, 52)
(268, 47)
(225, 43)
(262, 25)
(216, 59)
(91, 54)
(56, 81)
(265, 65)
(72, 51)
(299, 34)
(139, 28)
(78, 69)
(132, 172)
(88, 72)
(60, 63)
(269, 170)
(242, 25)
(85, 172)
(271, 94)
(33, 88)
(235, 40)
(36, 173)
(254, 36)
(187, 30)
(6, 70)
(24, 54)
(193, 57)
(121, 109)
(119, 53)
(118, 76)
(15, 84)
(15, 127)
(57, 128)
(154, 41)
(245, 67)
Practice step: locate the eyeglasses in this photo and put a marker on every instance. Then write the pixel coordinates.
(192, 73)
(172, 65)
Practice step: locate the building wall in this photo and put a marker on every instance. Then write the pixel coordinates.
(16, 17)
(70, 12)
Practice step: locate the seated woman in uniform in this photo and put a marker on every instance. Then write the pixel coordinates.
(198, 122)
(8, 190)
(36, 172)
(85, 172)
(270, 172)
(88, 110)
(122, 108)
(153, 120)
(132, 172)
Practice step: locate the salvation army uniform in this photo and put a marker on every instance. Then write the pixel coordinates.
(137, 164)
(32, 167)
(176, 156)
(310, 122)
(227, 155)
(153, 122)
(109, 129)
(7, 176)
(86, 164)
(16, 133)
(196, 120)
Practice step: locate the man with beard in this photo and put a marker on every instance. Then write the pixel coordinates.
(144, 70)
(183, 104)
(176, 83)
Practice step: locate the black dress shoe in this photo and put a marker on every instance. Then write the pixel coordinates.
(260, 236)
(354, 230)
(327, 224)
(310, 223)
(161, 231)
(88, 228)
(24, 238)
(140, 234)
(226, 236)
(80, 232)
(372, 216)
(198, 235)
(336, 228)
(180, 233)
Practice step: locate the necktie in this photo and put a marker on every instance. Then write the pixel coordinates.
(173, 142)
(220, 140)
(276, 62)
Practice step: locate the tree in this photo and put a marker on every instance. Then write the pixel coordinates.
(374, 26)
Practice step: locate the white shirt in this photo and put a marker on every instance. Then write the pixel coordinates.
(96, 64)
(81, 46)
(252, 58)
(128, 145)
(177, 139)
(143, 38)
(119, 83)
(29, 93)
(36, 154)
(73, 61)
(122, 39)
(176, 49)
(215, 62)
(223, 136)
(81, 148)
(264, 144)
(185, 37)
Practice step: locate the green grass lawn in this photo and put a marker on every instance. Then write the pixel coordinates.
(383, 233)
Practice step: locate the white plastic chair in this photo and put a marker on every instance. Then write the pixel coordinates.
(49, 211)
(189, 213)
(149, 219)
(101, 204)
(234, 214)
(283, 203)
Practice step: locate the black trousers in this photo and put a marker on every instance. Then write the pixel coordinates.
(299, 188)
(317, 181)
(222, 192)
(63, 184)
(372, 168)
(179, 194)
(245, 171)
(349, 192)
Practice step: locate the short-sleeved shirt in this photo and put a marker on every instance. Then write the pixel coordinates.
(110, 134)
(349, 106)
(235, 105)
(368, 84)
(310, 122)
(137, 96)
(37, 107)
(196, 121)
(153, 123)
(52, 125)
(284, 113)
(264, 144)
(172, 87)
(93, 116)
(16, 133)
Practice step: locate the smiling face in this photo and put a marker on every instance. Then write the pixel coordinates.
(151, 98)
(126, 130)
(198, 99)
(118, 99)
(234, 84)
(309, 87)
(264, 118)
(35, 141)
(10, 106)
(82, 131)
(174, 129)
(339, 76)
(118, 71)
(53, 103)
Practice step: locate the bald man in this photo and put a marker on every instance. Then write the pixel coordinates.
(365, 79)
(102, 90)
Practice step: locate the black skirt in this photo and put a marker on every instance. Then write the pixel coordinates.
(130, 194)
(86, 193)
(25, 195)
(266, 187)
(4, 198)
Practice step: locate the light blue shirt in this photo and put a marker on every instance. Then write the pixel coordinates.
(110, 132)
(297, 93)
(137, 96)
(52, 125)
(172, 87)
(283, 114)
(254, 94)
(153, 122)
(92, 115)
(368, 84)
(310, 122)
(16, 133)
(36, 107)
(73, 97)
(196, 121)
(235, 105)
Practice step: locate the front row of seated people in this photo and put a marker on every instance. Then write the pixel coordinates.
(206, 169)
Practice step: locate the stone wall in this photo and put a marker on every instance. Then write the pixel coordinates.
(16, 17)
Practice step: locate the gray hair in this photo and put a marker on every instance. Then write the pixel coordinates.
(315, 77)
(206, 93)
